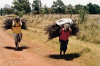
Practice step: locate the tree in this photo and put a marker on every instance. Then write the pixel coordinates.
(46, 10)
(93, 8)
(51, 10)
(82, 15)
(97, 9)
(70, 9)
(59, 7)
(85, 8)
(1, 11)
(78, 8)
(36, 5)
(21, 7)
(7, 9)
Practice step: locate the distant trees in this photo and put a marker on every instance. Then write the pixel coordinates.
(36, 5)
(7, 9)
(21, 7)
(58, 7)
(1, 11)
(93, 8)
(78, 7)
(70, 9)
(82, 15)
(46, 10)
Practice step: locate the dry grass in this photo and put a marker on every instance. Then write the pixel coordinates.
(90, 30)
(89, 53)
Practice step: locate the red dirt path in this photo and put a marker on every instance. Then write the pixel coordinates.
(34, 55)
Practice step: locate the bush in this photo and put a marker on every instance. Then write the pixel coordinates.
(82, 15)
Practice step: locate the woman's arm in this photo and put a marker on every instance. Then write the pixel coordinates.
(70, 30)
(20, 23)
(13, 24)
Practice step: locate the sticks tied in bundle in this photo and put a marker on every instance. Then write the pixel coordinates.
(7, 24)
(54, 29)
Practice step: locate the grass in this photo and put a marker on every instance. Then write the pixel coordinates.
(90, 30)
(89, 52)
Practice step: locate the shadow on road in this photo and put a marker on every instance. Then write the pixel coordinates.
(19, 48)
(67, 57)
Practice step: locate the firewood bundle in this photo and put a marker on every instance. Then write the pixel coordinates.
(53, 30)
(24, 24)
(75, 28)
(7, 24)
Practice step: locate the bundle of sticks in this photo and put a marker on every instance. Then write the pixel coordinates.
(7, 24)
(53, 30)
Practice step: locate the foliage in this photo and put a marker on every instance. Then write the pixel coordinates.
(77, 8)
(21, 7)
(51, 10)
(1, 11)
(58, 7)
(36, 5)
(93, 8)
(46, 10)
(70, 9)
(7, 9)
(82, 15)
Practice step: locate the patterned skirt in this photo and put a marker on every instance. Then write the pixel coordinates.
(17, 37)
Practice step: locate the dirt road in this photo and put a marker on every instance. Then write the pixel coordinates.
(32, 55)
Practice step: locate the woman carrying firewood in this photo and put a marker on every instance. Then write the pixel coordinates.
(62, 29)
(63, 38)
(16, 28)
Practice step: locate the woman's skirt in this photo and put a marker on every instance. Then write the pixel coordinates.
(63, 45)
(17, 37)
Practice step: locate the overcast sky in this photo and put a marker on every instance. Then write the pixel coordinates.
(50, 2)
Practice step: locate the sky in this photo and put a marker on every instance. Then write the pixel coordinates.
(50, 2)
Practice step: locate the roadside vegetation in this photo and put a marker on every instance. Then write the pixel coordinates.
(84, 48)
(86, 44)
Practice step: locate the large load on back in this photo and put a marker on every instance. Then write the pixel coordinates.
(7, 24)
(53, 30)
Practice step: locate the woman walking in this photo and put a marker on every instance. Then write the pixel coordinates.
(16, 28)
(63, 38)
